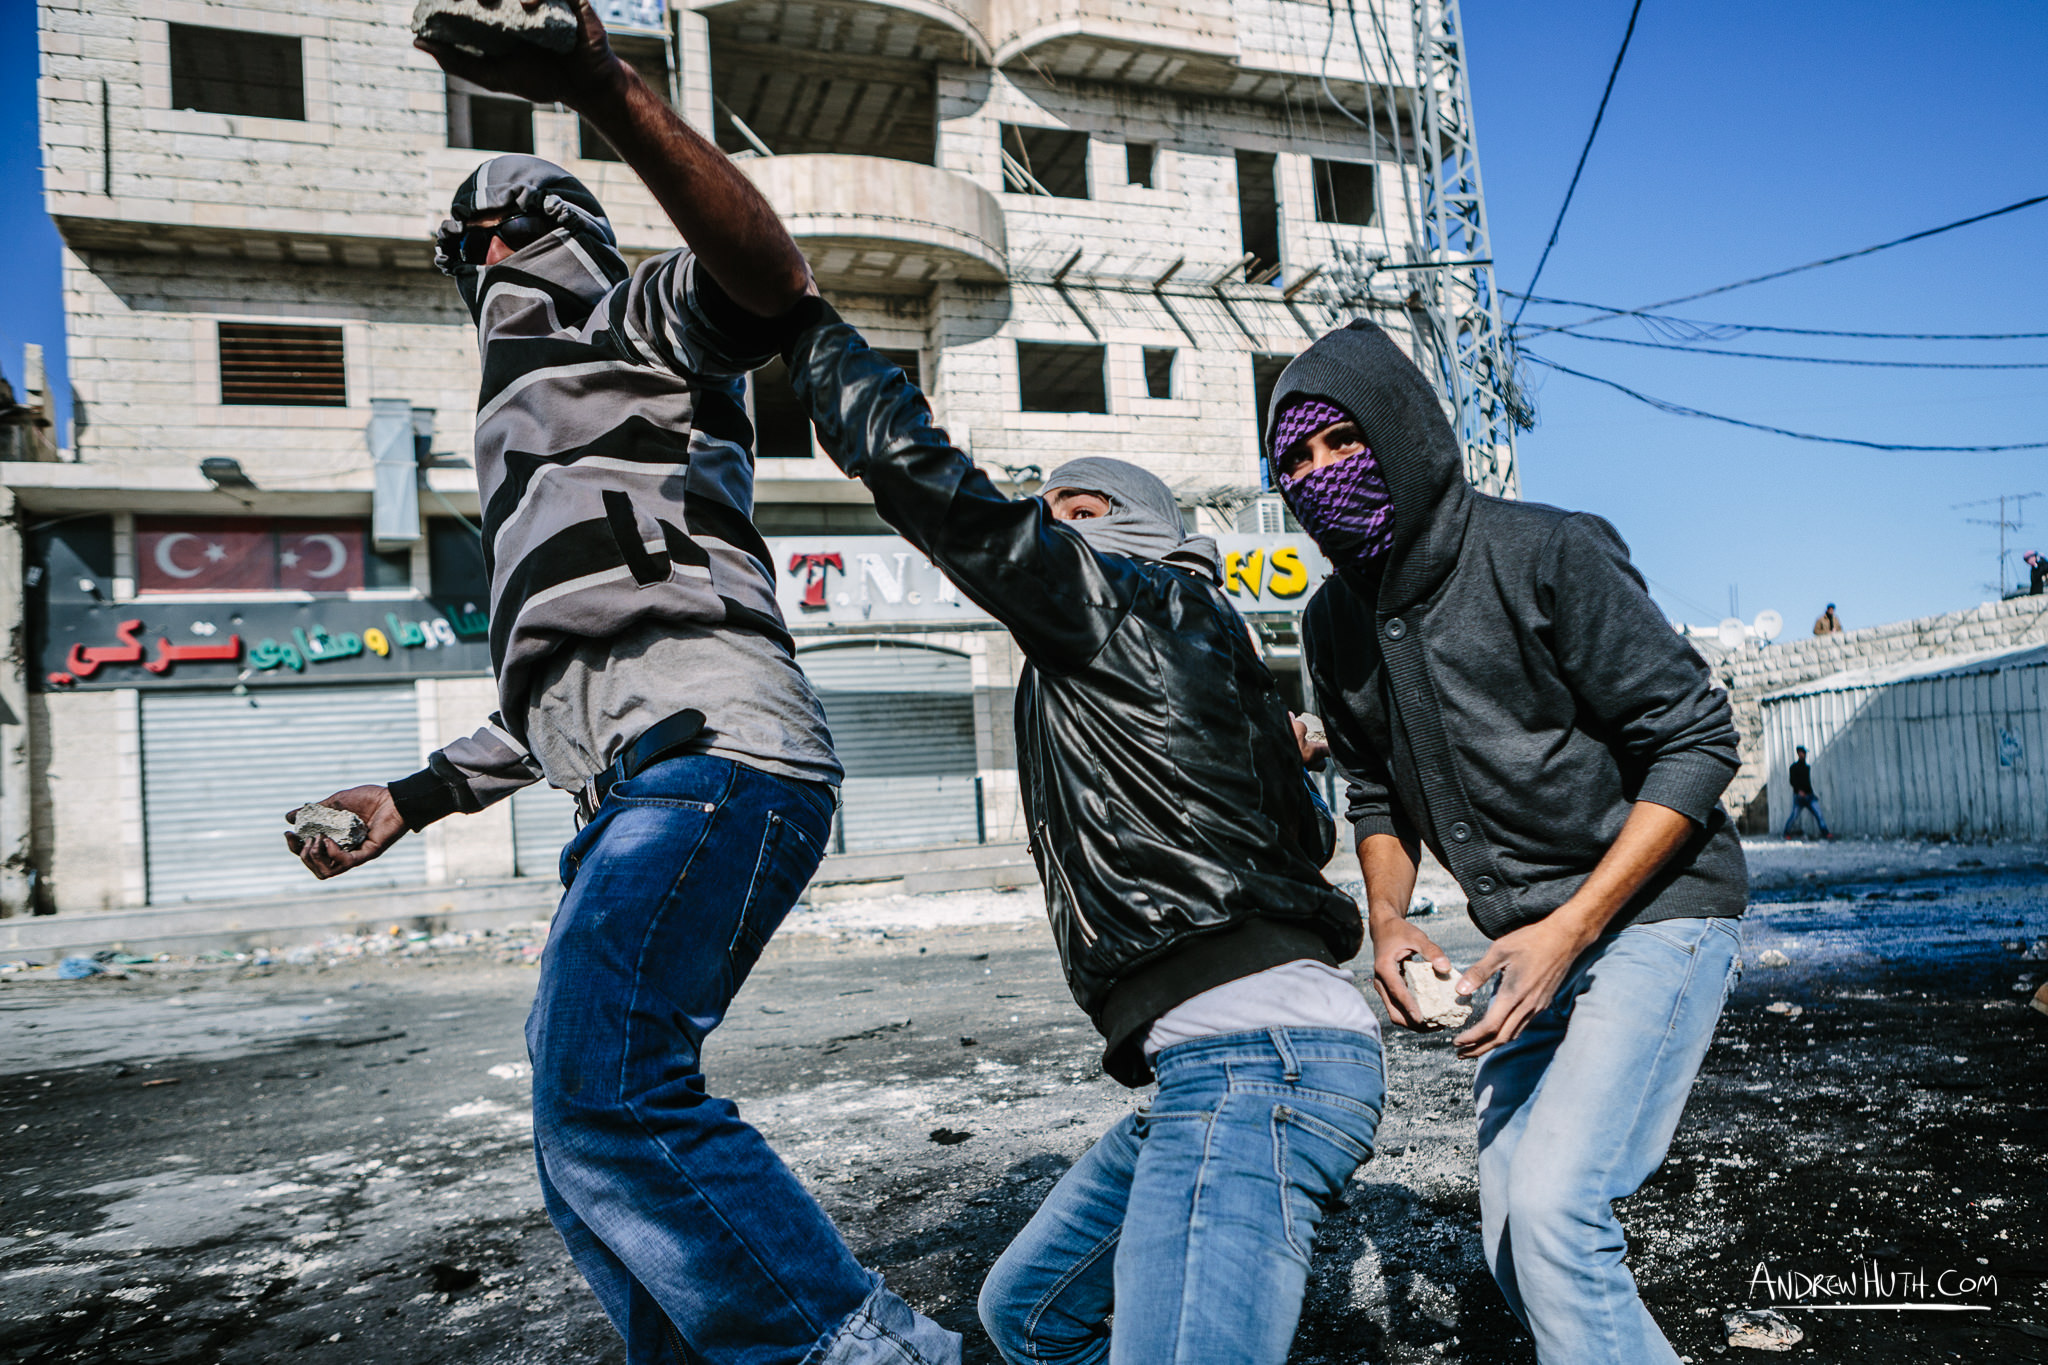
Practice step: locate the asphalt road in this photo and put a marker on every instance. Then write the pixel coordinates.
(237, 1164)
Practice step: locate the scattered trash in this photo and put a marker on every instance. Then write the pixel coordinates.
(1771, 957)
(1762, 1329)
(1420, 906)
(78, 969)
(1786, 1008)
(967, 1042)
(949, 1137)
(162, 1080)
(1437, 1001)
(2037, 951)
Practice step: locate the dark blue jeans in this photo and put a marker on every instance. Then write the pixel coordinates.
(1192, 1221)
(700, 1243)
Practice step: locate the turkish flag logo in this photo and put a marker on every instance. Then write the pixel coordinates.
(320, 556)
(204, 554)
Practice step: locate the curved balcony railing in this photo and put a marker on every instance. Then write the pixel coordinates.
(915, 30)
(878, 225)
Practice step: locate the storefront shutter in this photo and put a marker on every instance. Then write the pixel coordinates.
(543, 820)
(220, 771)
(902, 720)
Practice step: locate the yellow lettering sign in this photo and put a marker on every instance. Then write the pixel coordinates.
(1244, 570)
(1290, 575)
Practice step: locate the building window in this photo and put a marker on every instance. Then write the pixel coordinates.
(1052, 161)
(1258, 214)
(1159, 372)
(773, 101)
(1060, 378)
(1138, 159)
(649, 57)
(455, 561)
(1344, 192)
(1265, 377)
(227, 71)
(487, 122)
(255, 554)
(298, 367)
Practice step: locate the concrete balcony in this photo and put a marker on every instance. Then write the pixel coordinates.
(880, 226)
(900, 30)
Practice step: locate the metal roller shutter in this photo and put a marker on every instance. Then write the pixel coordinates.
(543, 820)
(219, 772)
(902, 720)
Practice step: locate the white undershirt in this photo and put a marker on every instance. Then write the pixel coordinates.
(1300, 994)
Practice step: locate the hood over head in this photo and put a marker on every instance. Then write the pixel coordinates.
(1360, 370)
(515, 184)
(1144, 520)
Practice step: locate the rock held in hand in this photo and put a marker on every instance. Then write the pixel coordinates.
(315, 821)
(1761, 1329)
(1436, 1002)
(492, 27)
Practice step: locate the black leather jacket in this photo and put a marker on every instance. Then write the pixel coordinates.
(1177, 840)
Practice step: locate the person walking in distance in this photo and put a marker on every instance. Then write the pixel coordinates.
(642, 664)
(1497, 683)
(1803, 799)
(1828, 623)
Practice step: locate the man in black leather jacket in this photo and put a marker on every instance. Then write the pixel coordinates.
(1181, 854)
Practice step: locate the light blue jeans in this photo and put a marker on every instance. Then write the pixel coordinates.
(1193, 1218)
(1577, 1112)
(701, 1245)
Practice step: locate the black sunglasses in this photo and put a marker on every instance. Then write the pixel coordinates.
(473, 246)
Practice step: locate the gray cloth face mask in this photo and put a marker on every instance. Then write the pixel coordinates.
(1144, 520)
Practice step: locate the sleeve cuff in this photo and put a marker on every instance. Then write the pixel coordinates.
(1687, 783)
(422, 799)
(1362, 825)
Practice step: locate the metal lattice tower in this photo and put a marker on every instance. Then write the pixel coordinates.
(1475, 366)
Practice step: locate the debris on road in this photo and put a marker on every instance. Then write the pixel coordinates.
(1771, 957)
(1762, 1329)
(1786, 1008)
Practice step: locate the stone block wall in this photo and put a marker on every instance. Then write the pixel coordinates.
(1752, 672)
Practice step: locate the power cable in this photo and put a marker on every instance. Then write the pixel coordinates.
(1584, 152)
(1812, 359)
(1810, 265)
(1721, 330)
(1680, 410)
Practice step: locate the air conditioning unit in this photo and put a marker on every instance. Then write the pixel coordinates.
(1265, 515)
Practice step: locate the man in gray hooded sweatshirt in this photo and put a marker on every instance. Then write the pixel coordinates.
(1498, 684)
(1181, 852)
(642, 664)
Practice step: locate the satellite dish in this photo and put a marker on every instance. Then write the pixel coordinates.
(1733, 634)
(1768, 625)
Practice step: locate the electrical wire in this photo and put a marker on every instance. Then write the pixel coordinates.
(1584, 152)
(1810, 265)
(1680, 410)
(1706, 331)
(1813, 359)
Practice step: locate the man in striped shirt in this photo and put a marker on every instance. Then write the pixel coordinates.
(642, 663)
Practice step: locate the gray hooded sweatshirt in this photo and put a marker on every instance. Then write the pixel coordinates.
(614, 461)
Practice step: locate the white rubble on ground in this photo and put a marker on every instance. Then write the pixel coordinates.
(1762, 1329)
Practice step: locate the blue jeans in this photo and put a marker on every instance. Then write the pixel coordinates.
(1805, 801)
(700, 1243)
(1194, 1217)
(1577, 1112)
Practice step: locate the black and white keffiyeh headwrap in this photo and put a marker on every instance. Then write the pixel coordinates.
(516, 184)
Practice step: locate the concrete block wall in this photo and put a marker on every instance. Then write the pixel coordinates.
(1753, 672)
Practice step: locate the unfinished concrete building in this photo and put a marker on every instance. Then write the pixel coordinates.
(1086, 227)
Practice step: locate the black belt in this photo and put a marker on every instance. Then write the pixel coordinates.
(663, 739)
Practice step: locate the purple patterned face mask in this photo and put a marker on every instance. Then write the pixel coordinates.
(1345, 507)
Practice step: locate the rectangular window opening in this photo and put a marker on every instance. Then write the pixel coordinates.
(264, 364)
(486, 122)
(1265, 378)
(1344, 192)
(1159, 372)
(1053, 377)
(773, 101)
(782, 429)
(1138, 159)
(649, 57)
(1258, 213)
(227, 71)
(1051, 161)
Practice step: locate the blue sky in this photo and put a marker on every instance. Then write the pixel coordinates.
(1742, 137)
